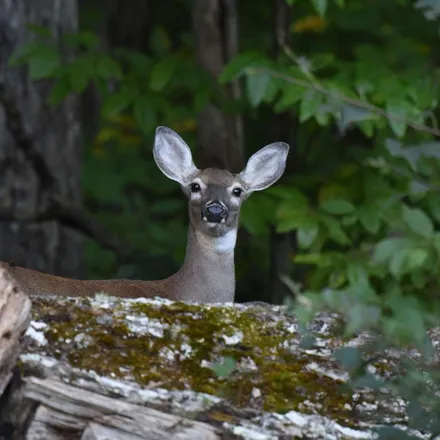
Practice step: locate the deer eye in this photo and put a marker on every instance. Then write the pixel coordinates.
(195, 187)
(237, 192)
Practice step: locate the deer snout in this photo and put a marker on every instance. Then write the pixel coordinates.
(214, 212)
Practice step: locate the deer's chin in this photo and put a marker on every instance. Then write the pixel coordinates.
(214, 229)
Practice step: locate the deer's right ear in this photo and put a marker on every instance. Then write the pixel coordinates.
(265, 167)
(173, 156)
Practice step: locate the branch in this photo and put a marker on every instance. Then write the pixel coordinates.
(52, 206)
(352, 101)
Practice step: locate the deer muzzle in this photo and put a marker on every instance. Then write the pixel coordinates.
(214, 212)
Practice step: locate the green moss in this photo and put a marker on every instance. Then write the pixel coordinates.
(100, 339)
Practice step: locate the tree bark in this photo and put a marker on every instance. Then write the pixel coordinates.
(220, 136)
(55, 133)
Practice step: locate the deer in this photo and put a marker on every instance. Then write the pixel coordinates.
(215, 197)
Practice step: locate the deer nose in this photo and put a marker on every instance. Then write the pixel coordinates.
(214, 212)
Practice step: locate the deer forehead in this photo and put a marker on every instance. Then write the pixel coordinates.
(216, 177)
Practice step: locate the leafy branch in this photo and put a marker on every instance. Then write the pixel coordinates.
(343, 98)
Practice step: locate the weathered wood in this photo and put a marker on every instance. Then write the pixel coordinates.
(38, 429)
(15, 315)
(70, 409)
(99, 432)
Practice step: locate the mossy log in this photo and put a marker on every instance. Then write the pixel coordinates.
(105, 367)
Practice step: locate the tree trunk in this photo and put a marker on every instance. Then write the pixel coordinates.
(55, 134)
(220, 136)
(283, 129)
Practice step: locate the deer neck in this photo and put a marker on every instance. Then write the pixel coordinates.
(208, 271)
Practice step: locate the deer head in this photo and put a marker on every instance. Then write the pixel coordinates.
(215, 196)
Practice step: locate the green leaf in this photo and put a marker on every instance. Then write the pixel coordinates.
(337, 206)
(429, 149)
(80, 72)
(335, 230)
(43, 64)
(370, 219)
(116, 102)
(291, 94)
(237, 66)
(399, 111)
(350, 114)
(310, 105)
(290, 195)
(357, 274)
(226, 368)
(418, 221)
(145, 113)
(273, 86)
(349, 357)
(306, 236)
(59, 91)
(139, 62)
(257, 213)
(288, 210)
(322, 115)
(23, 52)
(434, 206)
(419, 278)
(367, 128)
(417, 258)
(362, 317)
(87, 39)
(388, 247)
(162, 73)
(398, 263)
(320, 6)
(107, 68)
(412, 155)
(292, 223)
(256, 86)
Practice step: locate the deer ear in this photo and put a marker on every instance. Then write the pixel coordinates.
(173, 156)
(265, 167)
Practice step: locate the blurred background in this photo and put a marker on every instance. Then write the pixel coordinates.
(351, 85)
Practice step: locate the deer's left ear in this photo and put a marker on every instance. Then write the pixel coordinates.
(173, 156)
(265, 167)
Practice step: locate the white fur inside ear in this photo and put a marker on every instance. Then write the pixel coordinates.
(173, 156)
(225, 243)
(265, 167)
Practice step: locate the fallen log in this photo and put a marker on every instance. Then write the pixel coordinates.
(128, 369)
